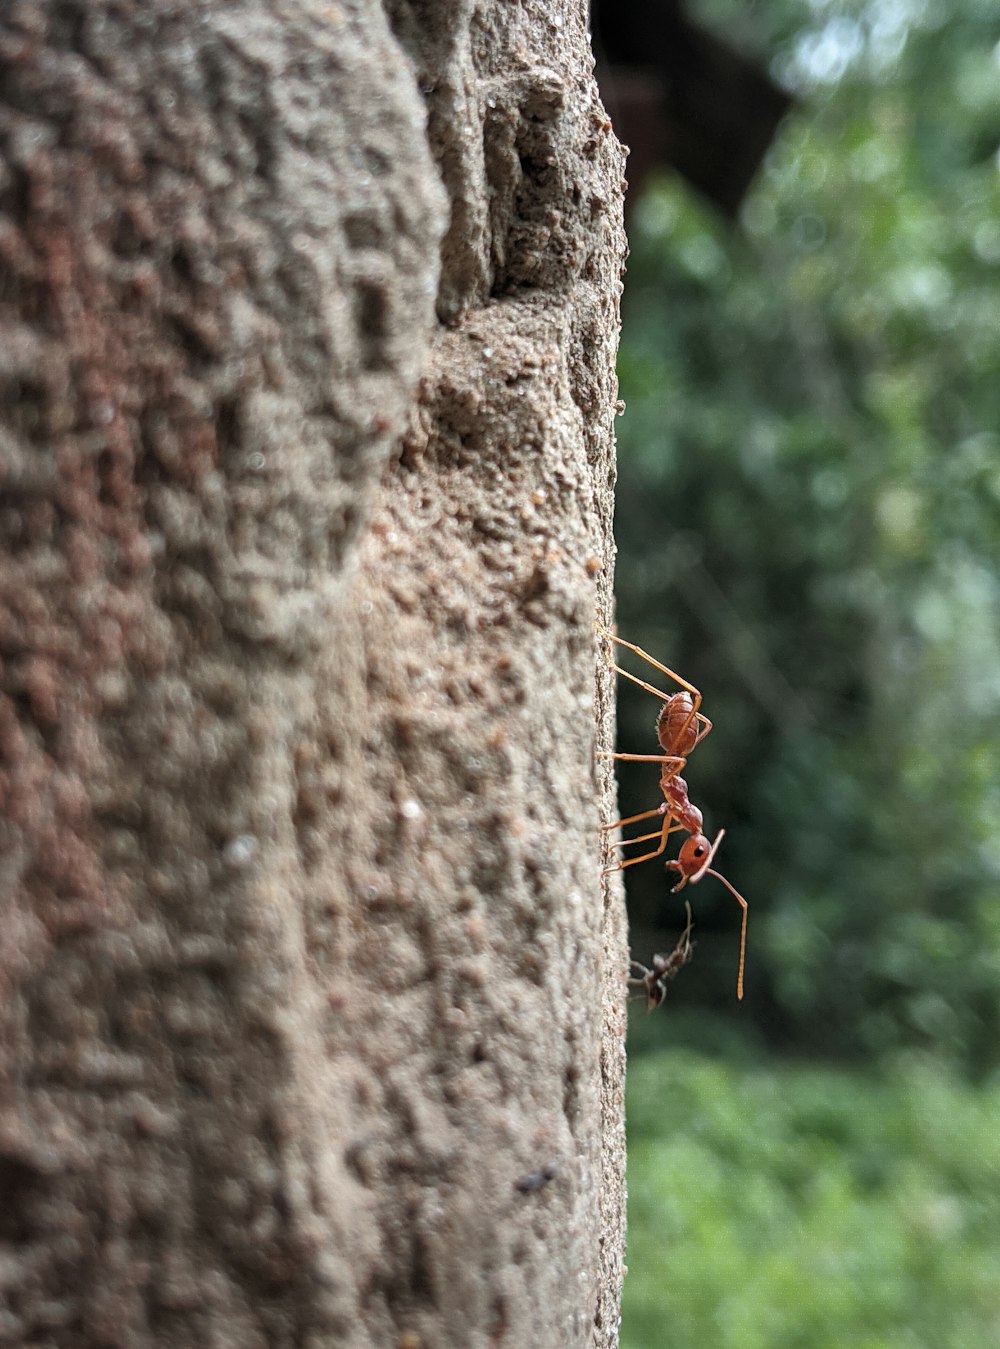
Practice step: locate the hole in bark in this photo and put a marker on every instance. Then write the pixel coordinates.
(19, 1184)
(372, 313)
(182, 264)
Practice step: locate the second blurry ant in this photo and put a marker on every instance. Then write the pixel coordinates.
(679, 728)
(665, 968)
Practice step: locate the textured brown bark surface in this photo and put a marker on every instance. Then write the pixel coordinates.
(311, 996)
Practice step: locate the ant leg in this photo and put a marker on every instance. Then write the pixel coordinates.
(650, 688)
(646, 857)
(644, 838)
(650, 660)
(634, 819)
(676, 761)
(704, 726)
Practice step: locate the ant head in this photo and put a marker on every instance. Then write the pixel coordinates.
(695, 858)
(695, 854)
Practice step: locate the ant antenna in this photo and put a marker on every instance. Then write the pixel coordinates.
(706, 869)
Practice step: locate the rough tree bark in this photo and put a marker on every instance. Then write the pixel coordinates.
(311, 997)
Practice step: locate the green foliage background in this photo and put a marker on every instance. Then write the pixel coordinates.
(809, 528)
(792, 1207)
(809, 525)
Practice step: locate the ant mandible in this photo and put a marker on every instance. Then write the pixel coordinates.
(665, 968)
(680, 726)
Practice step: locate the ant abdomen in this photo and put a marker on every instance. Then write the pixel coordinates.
(677, 727)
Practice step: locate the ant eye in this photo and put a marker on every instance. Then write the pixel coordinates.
(698, 852)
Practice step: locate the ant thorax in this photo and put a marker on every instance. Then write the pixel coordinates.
(675, 790)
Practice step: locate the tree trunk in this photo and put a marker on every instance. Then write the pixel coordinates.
(311, 995)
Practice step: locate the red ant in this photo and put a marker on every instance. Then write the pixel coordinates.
(679, 728)
(665, 968)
